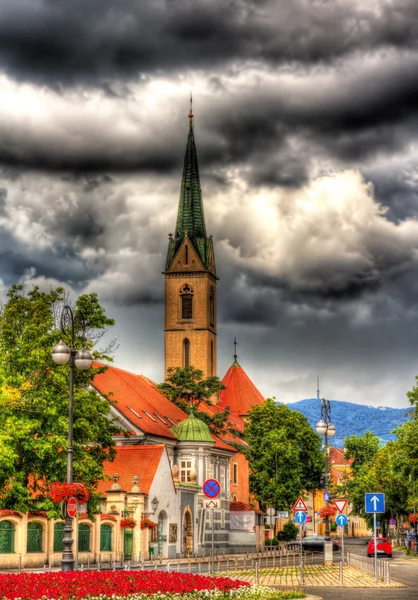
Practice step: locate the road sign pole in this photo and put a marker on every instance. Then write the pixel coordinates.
(342, 544)
(301, 555)
(375, 548)
(213, 542)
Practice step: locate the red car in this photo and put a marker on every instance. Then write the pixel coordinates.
(383, 547)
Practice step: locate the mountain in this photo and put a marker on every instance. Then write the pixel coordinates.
(350, 418)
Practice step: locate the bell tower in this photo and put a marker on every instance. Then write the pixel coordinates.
(190, 277)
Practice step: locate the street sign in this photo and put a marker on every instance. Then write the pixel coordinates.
(300, 505)
(392, 522)
(341, 520)
(271, 511)
(283, 514)
(374, 502)
(300, 517)
(211, 488)
(213, 503)
(327, 497)
(340, 504)
(72, 507)
(270, 520)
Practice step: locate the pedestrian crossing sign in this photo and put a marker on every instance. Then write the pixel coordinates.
(300, 505)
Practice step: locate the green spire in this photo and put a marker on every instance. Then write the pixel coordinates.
(190, 215)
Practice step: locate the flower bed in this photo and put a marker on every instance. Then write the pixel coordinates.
(115, 584)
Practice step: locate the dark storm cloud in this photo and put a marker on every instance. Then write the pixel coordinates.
(68, 41)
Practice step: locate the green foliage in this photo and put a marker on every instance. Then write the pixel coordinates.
(289, 532)
(34, 401)
(380, 473)
(362, 449)
(284, 454)
(187, 385)
(272, 542)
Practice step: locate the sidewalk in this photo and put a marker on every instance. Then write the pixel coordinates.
(314, 576)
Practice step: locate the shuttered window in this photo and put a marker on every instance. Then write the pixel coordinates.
(58, 537)
(35, 532)
(105, 538)
(7, 537)
(83, 538)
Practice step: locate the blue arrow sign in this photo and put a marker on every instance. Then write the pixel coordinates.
(341, 520)
(300, 517)
(374, 502)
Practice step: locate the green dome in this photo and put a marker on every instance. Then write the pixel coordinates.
(192, 429)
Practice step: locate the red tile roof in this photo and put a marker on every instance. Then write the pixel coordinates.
(336, 457)
(243, 507)
(235, 421)
(142, 461)
(240, 393)
(139, 401)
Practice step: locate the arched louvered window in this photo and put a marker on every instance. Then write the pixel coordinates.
(186, 352)
(186, 296)
(212, 306)
(211, 357)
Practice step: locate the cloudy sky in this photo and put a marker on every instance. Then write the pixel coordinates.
(306, 126)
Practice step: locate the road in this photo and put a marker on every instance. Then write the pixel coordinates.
(402, 569)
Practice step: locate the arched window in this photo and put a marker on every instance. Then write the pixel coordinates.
(212, 306)
(211, 357)
(35, 534)
(186, 352)
(186, 295)
(105, 538)
(186, 252)
(7, 537)
(59, 537)
(83, 537)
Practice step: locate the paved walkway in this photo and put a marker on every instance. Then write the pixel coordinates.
(314, 576)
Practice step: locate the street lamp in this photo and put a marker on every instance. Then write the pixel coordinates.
(327, 429)
(155, 503)
(82, 359)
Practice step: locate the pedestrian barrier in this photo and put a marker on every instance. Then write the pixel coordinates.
(365, 564)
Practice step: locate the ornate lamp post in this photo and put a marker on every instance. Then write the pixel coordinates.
(82, 359)
(326, 428)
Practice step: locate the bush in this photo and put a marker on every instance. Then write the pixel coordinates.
(273, 542)
(290, 532)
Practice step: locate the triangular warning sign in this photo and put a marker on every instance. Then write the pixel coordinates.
(300, 505)
(340, 504)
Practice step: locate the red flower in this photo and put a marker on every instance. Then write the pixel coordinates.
(413, 518)
(6, 512)
(63, 491)
(147, 523)
(128, 522)
(106, 516)
(77, 585)
(327, 511)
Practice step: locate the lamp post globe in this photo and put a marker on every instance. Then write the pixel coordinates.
(321, 427)
(61, 353)
(83, 359)
(331, 430)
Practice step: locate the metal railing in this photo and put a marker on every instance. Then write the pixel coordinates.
(362, 563)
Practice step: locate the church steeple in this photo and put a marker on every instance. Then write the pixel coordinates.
(190, 277)
(190, 215)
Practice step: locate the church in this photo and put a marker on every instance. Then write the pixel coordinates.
(164, 455)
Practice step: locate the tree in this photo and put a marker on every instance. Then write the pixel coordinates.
(375, 470)
(284, 454)
(187, 385)
(34, 396)
(362, 449)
